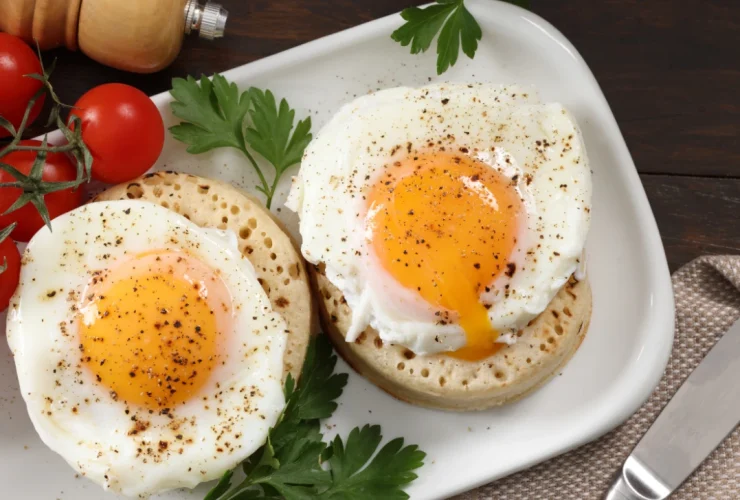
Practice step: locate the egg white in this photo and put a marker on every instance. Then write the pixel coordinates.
(77, 417)
(538, 146)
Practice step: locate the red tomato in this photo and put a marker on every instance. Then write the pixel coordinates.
(123, 130)
(9, 257)
(17, 59)
(58, 168)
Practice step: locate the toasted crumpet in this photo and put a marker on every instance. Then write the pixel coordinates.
(440, 381)
(262, 240)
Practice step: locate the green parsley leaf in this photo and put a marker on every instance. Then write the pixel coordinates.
(266, 462)
(320, 387)
(457, 26)
(312, 399)
(270, 133)
(300, 476)
(213, 113)
(456, 23)
(290, 435)
(422, 25)
(390, 470)
(460, 26)
(216, 115)
(291, 463)
(222, 487)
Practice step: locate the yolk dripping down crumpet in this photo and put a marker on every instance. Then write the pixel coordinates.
(152, 331)
(448, 224)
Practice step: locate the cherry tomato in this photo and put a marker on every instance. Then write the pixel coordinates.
(11, 258)
(17, 59)
(123, 130)
(58, 168)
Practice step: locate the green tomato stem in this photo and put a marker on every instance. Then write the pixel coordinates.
(48, 149)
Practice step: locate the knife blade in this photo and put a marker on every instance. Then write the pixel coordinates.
(704, 410)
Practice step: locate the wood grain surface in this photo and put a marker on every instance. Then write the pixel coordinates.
(669, 69)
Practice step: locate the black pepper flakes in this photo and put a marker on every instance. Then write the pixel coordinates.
(510, 269)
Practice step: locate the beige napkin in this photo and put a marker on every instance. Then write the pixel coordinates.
(707, 294)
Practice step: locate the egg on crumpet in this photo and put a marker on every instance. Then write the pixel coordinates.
(148, 351)
(448, 224)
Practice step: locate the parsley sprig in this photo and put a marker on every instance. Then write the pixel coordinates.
(296, 464)
(456, 24)
(458, 27)
(216, 114)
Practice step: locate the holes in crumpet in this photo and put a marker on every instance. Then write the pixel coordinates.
(134, 192)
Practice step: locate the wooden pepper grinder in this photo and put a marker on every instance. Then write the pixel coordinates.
(142, 36)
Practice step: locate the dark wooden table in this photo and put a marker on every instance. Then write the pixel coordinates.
(669, 68)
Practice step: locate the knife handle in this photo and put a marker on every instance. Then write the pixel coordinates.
(636, 482)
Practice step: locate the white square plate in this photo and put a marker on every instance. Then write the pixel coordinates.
(627, 346)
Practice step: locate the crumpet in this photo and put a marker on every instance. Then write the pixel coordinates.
(542, 348)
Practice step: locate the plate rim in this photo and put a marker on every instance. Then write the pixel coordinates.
(610, 410)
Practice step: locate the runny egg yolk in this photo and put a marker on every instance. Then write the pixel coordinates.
(150, 329)
(444, 225)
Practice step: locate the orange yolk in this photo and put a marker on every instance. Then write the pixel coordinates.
(445, 225)
(150, 330)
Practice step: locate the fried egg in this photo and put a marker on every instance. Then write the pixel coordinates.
(147, 352)
(449, 216)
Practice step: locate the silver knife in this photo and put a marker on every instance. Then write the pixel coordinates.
(703, 412)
